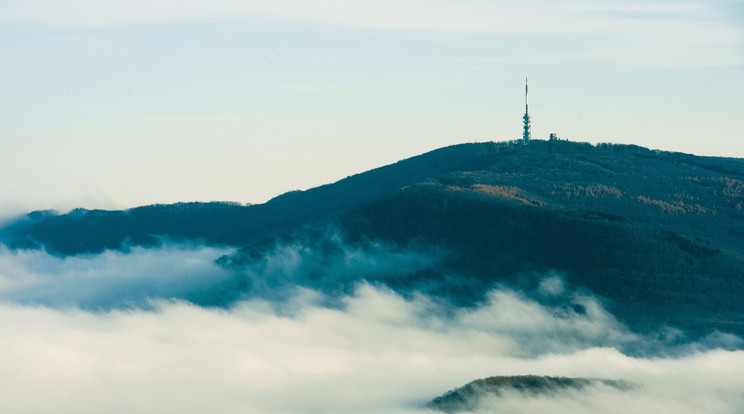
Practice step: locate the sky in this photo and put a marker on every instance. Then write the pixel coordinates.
(119, 103)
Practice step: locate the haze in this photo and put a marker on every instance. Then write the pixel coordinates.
(375, 352)
(112, 104)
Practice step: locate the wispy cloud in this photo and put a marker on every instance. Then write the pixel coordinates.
(469, 16)
(272, 56)
(658, 32)
(116, 279)
(317, 87)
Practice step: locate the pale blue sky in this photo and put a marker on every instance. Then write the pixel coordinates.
(112, 104)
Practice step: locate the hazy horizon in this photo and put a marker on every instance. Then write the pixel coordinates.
(114, 104)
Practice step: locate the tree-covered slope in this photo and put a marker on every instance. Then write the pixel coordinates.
(92, 231)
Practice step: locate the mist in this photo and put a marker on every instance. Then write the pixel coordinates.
(115, 279)
(378, 353)
(201, 274)
(173, 329)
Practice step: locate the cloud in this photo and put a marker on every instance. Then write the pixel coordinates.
(372, 351)
(116, 279)
(204, 275)
(656, 33)
(323, 269)
(272, 56)
(606, 400)
(328, 263)
(379, 353)
(466, 16)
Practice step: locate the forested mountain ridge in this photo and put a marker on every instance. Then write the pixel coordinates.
(468, 397)
(621, 182)
(659, 235)
(91, 231)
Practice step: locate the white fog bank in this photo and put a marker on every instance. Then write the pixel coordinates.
(377, 353)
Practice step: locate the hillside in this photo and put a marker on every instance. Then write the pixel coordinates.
(92, 231)
(468, 397)
(658, 235)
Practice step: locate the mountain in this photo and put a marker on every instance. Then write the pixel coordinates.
(92, 231)
(658, 236)
(468, 397)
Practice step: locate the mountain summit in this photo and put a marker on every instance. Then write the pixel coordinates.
(659, 236)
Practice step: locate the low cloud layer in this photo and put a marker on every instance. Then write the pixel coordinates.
(121, 333)
(203, 275)
(115, 279)
(328, 263)
(378, 353)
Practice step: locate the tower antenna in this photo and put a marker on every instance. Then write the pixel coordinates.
(527, 125)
